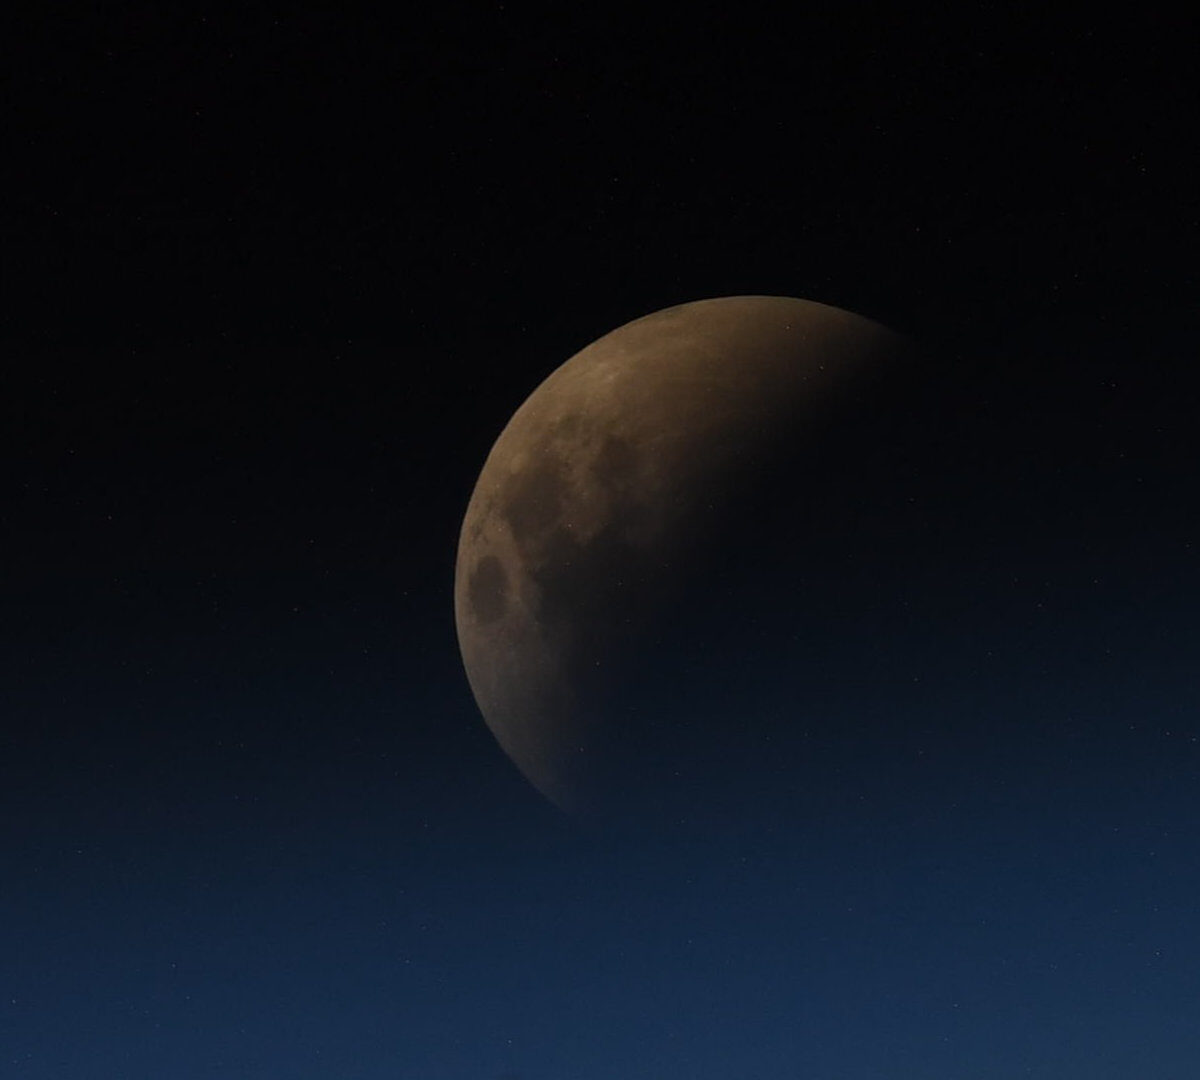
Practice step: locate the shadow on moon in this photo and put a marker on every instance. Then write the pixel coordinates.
(752, 552)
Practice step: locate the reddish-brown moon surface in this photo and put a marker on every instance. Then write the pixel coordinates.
(601, 490)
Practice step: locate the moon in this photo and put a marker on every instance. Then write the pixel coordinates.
(599, 512)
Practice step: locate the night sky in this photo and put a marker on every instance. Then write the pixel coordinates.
(272, 286)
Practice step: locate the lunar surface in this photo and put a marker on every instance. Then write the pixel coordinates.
(604, 511)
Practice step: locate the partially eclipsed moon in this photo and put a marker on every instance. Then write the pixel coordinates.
(603, 485)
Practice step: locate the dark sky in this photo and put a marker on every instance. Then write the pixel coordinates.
(273, 285)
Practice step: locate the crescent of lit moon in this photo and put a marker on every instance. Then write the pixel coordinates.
(594, 480)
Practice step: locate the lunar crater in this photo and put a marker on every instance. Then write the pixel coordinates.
(489, 590)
